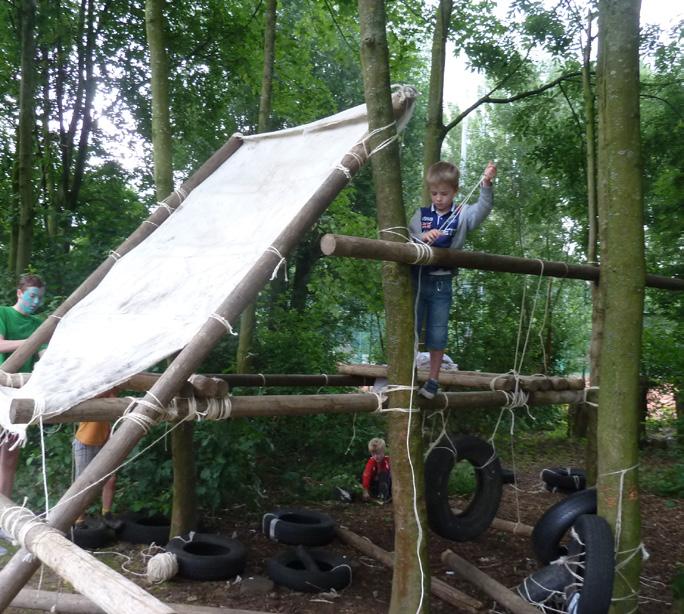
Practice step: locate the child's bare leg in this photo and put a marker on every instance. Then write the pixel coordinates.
(9, 459)
(108, 494)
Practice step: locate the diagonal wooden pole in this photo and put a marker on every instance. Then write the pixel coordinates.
(97, 581)
(82, 492)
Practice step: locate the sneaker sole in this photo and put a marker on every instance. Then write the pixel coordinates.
(426, 394)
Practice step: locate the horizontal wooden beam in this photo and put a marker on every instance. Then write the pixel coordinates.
(293, 379)
(71, 603)
(476, 379)
(419, 253)
(21, 410)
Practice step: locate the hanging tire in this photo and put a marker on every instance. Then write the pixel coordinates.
(564, 479)
(294, 569)
(298, 526)
(144, 528)
(553, 524)
(477, 517)
(593, 558)
(547, 585)
(92, 533)
(208, 557)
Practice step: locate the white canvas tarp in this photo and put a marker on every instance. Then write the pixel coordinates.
(156, 297)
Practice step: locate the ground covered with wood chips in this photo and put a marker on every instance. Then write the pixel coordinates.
(506, 557)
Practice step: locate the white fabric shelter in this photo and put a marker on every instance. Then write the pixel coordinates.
(156, 297)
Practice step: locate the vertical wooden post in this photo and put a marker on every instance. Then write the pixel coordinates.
(411, 576)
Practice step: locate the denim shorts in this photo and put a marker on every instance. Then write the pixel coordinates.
(83, 454)
(432, 310)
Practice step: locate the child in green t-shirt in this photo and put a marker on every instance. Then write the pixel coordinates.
(17, 323)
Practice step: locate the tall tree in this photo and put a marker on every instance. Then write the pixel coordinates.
(248, 318)
(20, 254)
(623, 272)
(411, 577)
(184, 509)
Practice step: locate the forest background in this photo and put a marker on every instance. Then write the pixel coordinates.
(76, 85)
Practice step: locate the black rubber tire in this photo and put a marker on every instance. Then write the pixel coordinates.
(554, 522)
(208, 557)
(287, 569)
(144, 528)
(546, 584)
(477, 517)
(90, 534)
(564, 479)
(595, 546)
(299, 526)
(507, 476)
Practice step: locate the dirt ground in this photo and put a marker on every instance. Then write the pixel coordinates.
(506, 557)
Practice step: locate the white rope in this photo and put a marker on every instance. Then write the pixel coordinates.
(161, 567)
(168, 208)
(618, 513)
(151, 223)
(392, 230)
(114, 255)
(219, 318)
(423, 253)
(274, 250)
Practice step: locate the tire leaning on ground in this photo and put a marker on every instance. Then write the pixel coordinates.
(299, 526)
(208, 557)
(144, 528)
(481, 510)
(564, 479)
(593, 557)
(310, 571)
(555, 521)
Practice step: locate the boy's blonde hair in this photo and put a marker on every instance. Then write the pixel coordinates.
(375, 444)
(443, 172)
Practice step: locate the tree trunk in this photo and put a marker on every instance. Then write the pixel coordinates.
(243, 363)
(679, 408)
(622, 256)
(22, 256)
(411, 576)
(184, 507)
(434, 128)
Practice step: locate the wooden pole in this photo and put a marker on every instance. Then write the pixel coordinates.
(497, 591)
(97, 581)
(516, 528)
(18, 571)
(475, 379)
(294, 379)
(439, 588)
(159, 215)
(106, 410)
(32, 599)
(412, 253)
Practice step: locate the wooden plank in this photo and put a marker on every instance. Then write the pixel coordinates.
(439, 588)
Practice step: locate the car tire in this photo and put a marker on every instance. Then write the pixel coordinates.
(310, 571)
(564, 479)
(299, 526)
(144, 528)
(555, 522)
(208, 557)
(90, 534)
(480, 512)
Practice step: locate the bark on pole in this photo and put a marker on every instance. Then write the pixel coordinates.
(622, 287)
(411, 577)
(415, 253)
(184, 507)
(18, 571)
(92, 578)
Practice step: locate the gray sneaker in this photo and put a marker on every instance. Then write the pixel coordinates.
(429, 389)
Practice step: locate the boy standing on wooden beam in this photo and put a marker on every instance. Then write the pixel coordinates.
(442, 224)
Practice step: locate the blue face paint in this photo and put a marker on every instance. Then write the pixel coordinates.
(31, 299)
